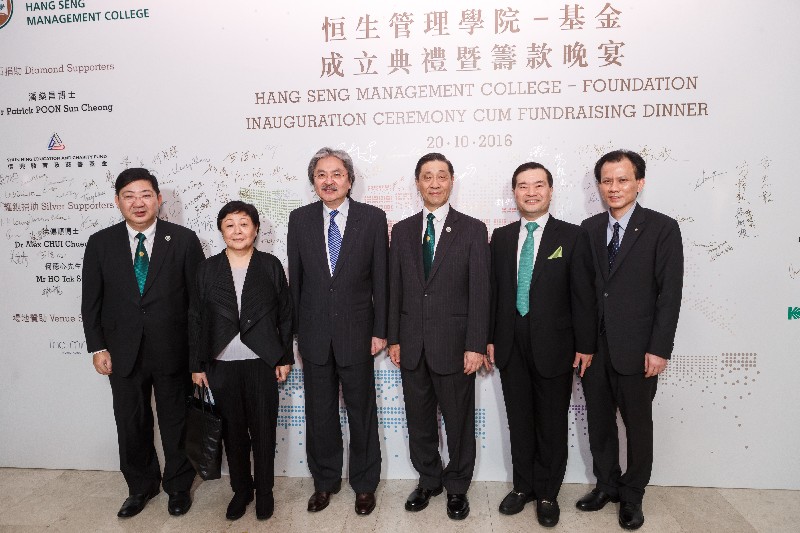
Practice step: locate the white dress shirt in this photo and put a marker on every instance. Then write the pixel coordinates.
(149, 235)
(439, 216)
(537, 235)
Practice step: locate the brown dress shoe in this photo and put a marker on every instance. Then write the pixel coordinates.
(320, 499)
(365, 502)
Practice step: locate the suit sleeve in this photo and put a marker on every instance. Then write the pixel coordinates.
(669, 283)
(395, 289)
(295, 269)
(92, 297)
(479, 291)
(380, 277)
(492, 286)
(584, 298)
(196, 298)
(285, 315)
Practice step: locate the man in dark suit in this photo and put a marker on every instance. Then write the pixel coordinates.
(438, 320)
(638, 256)
(136, 279)
(543, 325)
(338, 252)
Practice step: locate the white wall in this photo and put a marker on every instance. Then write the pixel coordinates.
(184, 84)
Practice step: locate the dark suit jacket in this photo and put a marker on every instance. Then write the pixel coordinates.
(640, 299)
(116, 317)
(563, 313)
(346, 310)
(265, 321)
(448, 313)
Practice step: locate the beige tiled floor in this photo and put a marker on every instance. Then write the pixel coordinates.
(84, 501)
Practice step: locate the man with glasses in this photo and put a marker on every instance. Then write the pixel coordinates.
(338, 252)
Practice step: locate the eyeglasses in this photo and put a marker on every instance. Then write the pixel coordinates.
(335, 175)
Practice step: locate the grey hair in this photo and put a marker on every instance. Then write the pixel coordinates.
(341, 155)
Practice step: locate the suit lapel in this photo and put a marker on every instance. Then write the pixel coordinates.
(224, 292)
(253, 296)
(318, 242)
(632, 232)
(601, 246)
(122, 244)
(162, 242)
(416, 247)
(350, 236)
(511, 251)
(449, 231)
(546, 247)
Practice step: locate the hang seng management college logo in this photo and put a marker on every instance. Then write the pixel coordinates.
(6, 10)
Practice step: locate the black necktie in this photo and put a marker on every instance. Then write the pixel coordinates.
(613, 247)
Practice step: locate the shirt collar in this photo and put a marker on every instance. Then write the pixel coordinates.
(148, 233)
(342, 209)
(626, 218)
(439, 214)
(542, 220)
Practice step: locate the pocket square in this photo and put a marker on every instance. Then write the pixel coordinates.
(557, 254)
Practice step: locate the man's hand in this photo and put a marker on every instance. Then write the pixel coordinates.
(102, 362)
(282, 372)
(377, 345)
(472, 362)
(582, 362)
(200, 379)
(488, 361)
(394, 354)
(653, 365)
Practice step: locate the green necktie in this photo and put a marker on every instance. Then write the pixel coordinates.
(428, 242)
(525, 271)
(141, 262)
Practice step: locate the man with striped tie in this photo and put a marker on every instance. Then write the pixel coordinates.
(543, 325)
(135, 300)
(338, 253)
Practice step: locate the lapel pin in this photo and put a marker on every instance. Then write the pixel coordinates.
(447, 229)
(167, 238)
(635, 229)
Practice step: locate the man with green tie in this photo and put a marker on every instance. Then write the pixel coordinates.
(438, 319)
(135, 300)
(542, 326)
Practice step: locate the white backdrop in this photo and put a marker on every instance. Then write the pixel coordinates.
(229, 100)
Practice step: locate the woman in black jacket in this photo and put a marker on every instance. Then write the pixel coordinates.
(240, 331)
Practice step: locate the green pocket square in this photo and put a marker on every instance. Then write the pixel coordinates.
(557, 254)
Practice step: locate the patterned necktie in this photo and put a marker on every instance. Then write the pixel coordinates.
(525, 271)
(141, 262)
(428, 242)
(334, 241)
(613, 247)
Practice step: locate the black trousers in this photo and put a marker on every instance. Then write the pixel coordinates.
(324, 447)
(454, 394)
(606, 390)
(538, 419)
(132, 397)
(246, 394)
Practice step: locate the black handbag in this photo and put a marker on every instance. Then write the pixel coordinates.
(202, 440)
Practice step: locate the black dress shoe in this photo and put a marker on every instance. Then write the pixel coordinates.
(547, 512)
(134, 504)
(457, 506)
(238, 505)
(595, 500)
(179, 503)
(630, 515)
(265, 505)
(320, 499)
(418, 500)
(365, 502)
(514, 502)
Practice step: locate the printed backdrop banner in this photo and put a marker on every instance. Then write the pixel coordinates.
(230, 100)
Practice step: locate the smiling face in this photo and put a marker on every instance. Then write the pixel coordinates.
(619, 186)
(238, 231)
(435, 184)
(533, 193)
(331, 181)
(139, 203)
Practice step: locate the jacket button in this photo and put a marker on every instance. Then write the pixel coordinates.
(605, 294)
(248, 321)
